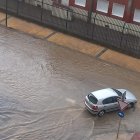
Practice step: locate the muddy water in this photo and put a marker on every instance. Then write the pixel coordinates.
(42, 90)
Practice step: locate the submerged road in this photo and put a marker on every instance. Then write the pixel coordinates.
(42, 90)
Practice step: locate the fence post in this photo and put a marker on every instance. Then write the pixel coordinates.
(94, 25)
(42, 10)
(90, 11)
(6, 12)
(67, 19)
(122, 34)
(17, 6)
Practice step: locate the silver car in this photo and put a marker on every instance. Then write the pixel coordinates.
(106, 100)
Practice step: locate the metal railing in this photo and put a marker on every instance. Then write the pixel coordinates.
(113, 33)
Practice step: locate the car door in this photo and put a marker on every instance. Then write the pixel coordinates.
(110, 104)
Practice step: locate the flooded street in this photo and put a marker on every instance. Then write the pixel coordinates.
(42, 91)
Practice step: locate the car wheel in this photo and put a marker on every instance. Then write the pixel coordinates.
(101, 113)
(131, 105)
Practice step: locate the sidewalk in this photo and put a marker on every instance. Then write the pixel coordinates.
(71, 42)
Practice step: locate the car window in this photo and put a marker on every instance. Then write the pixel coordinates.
(118, 92)
(108, 100)
(92, 99)
(115, 99)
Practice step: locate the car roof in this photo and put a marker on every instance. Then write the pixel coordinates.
(104, 93)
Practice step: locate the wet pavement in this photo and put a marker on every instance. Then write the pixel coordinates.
(43, 86)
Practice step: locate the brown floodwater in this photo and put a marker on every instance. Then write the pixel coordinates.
(42, 90)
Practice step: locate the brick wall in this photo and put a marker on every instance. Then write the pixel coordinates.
(130, 6)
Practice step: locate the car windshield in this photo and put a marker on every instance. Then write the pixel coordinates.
(92, 99)
(118, 92)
